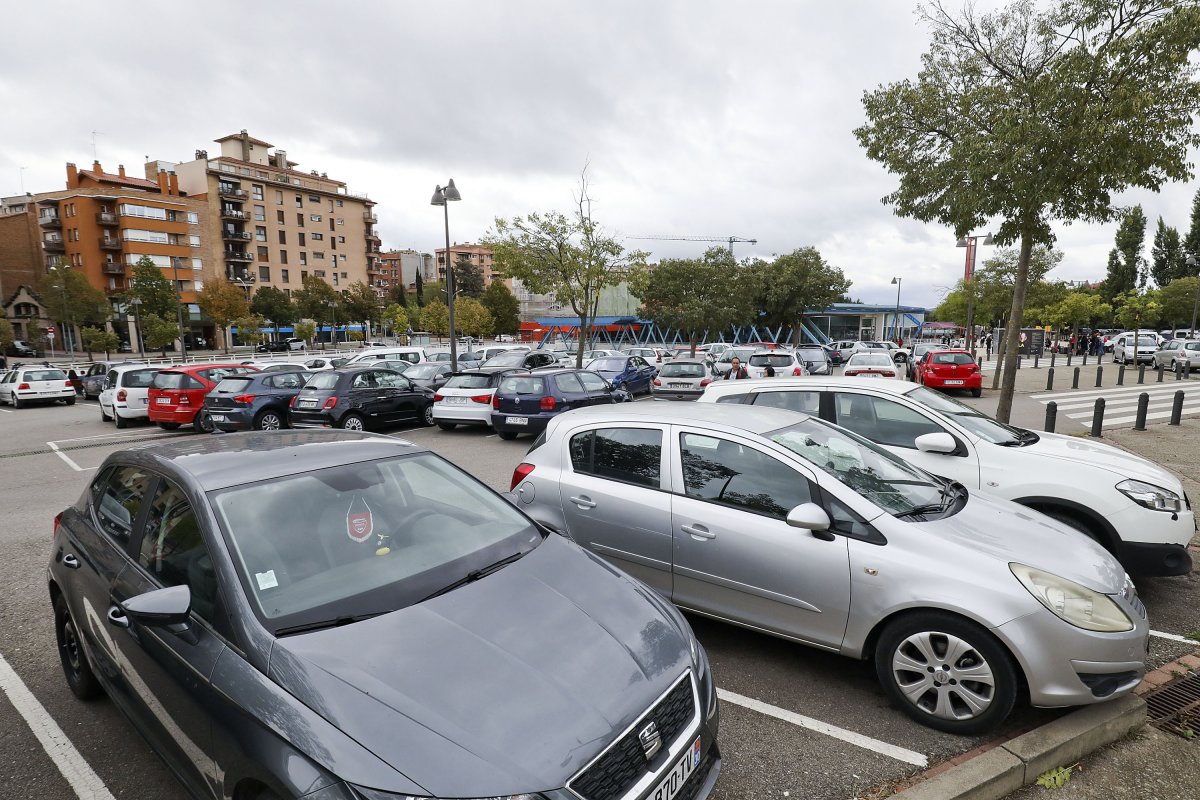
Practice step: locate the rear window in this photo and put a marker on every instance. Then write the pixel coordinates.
(230, 385)
(522, 385)
(45, 375)
(217, 373)
(139, 378)
(469, 382)
(682, 371)
(176, 380)
(772, 359)
(507, 360)
(323, 380)
(952, 358)
(870, 360)
(811, 354)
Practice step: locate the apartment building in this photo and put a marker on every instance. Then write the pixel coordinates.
(477, 254)
(273, 224)
(400, 268)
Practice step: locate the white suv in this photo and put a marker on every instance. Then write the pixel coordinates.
(1126, 352)
(1133, 507)
(413, 355)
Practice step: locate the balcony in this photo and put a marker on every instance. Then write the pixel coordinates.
(236, 236)
(232, 213)
(104, 218)
(54, 245)
(370, 218)
(110, 243)
(232, 191)
(239, 275)
(374, 248)
(50, 221)
(372, 236)
(113, 268)
(237, 255)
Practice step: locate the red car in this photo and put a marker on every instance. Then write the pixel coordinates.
(949, 369)
(177, 395)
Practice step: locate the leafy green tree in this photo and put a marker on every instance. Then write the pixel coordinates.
(783, 289)
(1077, 309)
(400, 296)
(1034, 114)
(420, 290)
(99, 339)
(569, 257)
(1191, 243)
(158, 332)
(1137, 306)
(693, 295)
(355, 336)
(361, 303)
(156, 291)
(318, 301)
(471, 318)
(1168, 261)
(435, 318)
(7, 335)
(396, 316)
(1176, 301)
(222, 302)
(503, 305)
(1126, 265)
(468, 277)
(306, 330)
(69, 298)
(249, 329)
(274, 304)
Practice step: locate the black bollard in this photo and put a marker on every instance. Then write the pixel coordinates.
(1176, 408)
(1070, 355)
(1178, 374)
(1085, 355)
(1121, 376)
(1160, 373)
(1099, 375)
(1143, 406)
(1075, 378)
(1141, 374)
(1037, 354)
(1051, 416)
(1053, 355)
(1050, 379)
(1098, 417)
(1020, 358)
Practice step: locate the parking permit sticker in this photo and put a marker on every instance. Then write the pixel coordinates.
(266, 580)
(360, 524)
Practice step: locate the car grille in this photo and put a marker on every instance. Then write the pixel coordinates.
(620, 767)
(695, 781)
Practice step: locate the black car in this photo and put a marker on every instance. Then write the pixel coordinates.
(95, 379)
(340, 616)
(431, 374)
(360, 398)
(258, 401)
(523, 359)
(526, 403)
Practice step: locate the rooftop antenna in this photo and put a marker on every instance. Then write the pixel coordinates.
(94, 156)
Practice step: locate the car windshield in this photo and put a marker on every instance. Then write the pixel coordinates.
(980, 424)
(472, 381)
(870, 360)
(363, 539)
(952, 358)
(516, 359)
(522, 385)
(323, 380)
(231, 385)
(887, 481)
(682, 370)
(608, 365)
(399, 366)
(45, 375)
(423, 371)
(771, 359)
(1147, 341)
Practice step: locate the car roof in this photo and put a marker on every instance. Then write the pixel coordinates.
(127, 367)
(752, 419)
(814, 381)
(210, 365)
(233, 459)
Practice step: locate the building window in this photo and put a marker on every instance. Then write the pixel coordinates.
(282, 237)
(344, 275)
(135, 235)
(301, 235)
(318, 255)
(303, 259)
(260, 233)
(197, 264)
(280, 218)
(300, 220)
(283, 276)
(132, 210)
(339, 203)
(312, 198)
(264, 273)
(303, 274)
(315, 217)
(299, 201)
(316, 237)
(260, 213)
(257, 189)
(342, 239)
(341, 221)
(263, 255)
(283, 256)
(278, 197)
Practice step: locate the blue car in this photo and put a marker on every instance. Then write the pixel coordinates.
(526, 402)
(631, 373)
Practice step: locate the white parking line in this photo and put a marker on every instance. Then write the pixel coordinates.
(70, 763)
(1174, 638)
(6, 410)
(67, 458)
(808, 723)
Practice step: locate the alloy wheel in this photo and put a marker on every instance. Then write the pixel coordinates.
(269, 422)
(943, 675)
(352, 423)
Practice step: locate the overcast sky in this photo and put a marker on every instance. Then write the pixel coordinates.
(697, 118)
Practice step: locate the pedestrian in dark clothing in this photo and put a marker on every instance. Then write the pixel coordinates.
(736, 371)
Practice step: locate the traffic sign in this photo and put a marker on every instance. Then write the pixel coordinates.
(50, 329)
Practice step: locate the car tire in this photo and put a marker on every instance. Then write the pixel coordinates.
(269, 420)
(203, 422)
(16, 402)
(977, 392)
(908, 657)
(447, 426)
(507, 436)
(352, 422)
(104, 417)
(169, 426)
(119, 420)
(70, 401)
(427, 415)
(76, 668)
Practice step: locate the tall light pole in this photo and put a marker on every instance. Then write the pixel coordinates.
(333, 328)
(443, 196)
(179, 308)
(137, 318)
(972, 244)
(1194, 264)
(899, 338)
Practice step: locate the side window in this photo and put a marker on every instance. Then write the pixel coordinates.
(730, 474)
(804, 402)
(629, 455)
(882, 421)
(362, 380)
(567, 382)
(390, 380)
(592, 382)
(732, 398)
(118, 498)
(173, 551)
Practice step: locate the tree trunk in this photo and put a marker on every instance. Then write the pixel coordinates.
(583, 330)
(1012, 334)
(692, 342)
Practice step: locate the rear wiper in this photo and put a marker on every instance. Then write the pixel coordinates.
(474, 575)
(326, 623)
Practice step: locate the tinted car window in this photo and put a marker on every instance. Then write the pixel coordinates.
(398, 366)
(138, 378)
(682, 371)
(176, 380)
(811, 354)
(286, 380)
(507, 360)
(730, 474)
(323, 380)
(232, 385)
(630, 455)
(363, 380)
(522, 385)
(469, 382)
(770, 359)
(567, 382)
(392, 380)
(732, 398)
(804, 402)
(882, 421)
(608, 364)
(952, 358)
(424, 371)
(45, 375)
(173, 551)
(118, 499)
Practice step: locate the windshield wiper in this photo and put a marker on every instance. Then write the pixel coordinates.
(336, 622)
(474, 575)
(950, 492)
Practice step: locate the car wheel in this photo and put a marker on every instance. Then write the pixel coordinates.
(427, 415)
(447, 426)
(104, 417)
(268, 421)
(977, 392)
(507, 436)
(17, 403)
(70, 401)
(203, 422)
(169, 426)
(121, 421)
(946, 672)
(75, 665)
(352, 422)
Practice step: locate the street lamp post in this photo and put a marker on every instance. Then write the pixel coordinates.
(899, 338)
(69, 340)
(179, 309)
(137, 320)
(333, 328)
(443, 196)
(972, 244)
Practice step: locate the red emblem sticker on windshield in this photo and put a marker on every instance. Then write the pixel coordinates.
(359, 522)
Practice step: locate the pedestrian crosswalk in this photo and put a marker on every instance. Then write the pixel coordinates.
(1121, 402)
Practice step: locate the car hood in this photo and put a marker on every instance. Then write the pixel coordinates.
(1086, 452)
(510, 684)
(1005, 531)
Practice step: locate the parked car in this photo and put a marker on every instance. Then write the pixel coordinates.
(466, 398)
(375, 344)
(360, 398)
(522, 359)
(782, 362)
(848, 347)
(681, 379)
(871, 365)
(949, 369)
(918, 352)
(505, 337)
(282, 345)
(794, 527)
(899, 354)
(254, 402)
(814, 358)
(592, 355)
(23, 386)
(94, 378)
(1178, 355)
(323, 363)
(126, 393)
(443, 356)
(22, 349)
(1134, 508)
(1125, 351)
(394, 614)
(524, 403)
(631, 373)
(177, 394)
(430, 375)
(835, 355)
(488, 352)
(721, 366)
(653, 354)
(413, 355)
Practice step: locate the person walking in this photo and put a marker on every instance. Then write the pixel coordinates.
(736, 371)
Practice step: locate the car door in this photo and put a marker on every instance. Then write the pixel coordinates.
(397, 396)
(570, 391)
(362, 397)
(169, 667)
(613, 499)
(599, 391)
(735, 556)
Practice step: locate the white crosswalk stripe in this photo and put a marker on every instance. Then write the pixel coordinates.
(1121, 402)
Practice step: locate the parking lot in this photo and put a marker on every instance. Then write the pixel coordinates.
(795, 721)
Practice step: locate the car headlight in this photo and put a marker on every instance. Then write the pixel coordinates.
(1071, 602)
(1153, 497)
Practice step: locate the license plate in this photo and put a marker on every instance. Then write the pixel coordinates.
(678, 385)
(677, 777)
(455, 401)
(516, 420)
(309, 403)
(953, 383)
(162, 401)
(217, 417)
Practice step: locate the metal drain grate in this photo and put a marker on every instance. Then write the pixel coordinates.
(1175, 707)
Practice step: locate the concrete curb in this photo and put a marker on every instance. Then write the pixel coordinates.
(1012, 764)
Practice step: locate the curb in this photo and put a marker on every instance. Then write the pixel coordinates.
(1019, 761)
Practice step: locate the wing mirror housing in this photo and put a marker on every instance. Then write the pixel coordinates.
(161, 607)
(940, 442)
(809, 516)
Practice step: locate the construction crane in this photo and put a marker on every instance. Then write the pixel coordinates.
(729, 240)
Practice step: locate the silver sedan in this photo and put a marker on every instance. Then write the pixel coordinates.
(804, 530)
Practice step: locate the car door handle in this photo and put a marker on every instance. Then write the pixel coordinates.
(70, 561)
(117, 617)
(583, 501)
(698, 531)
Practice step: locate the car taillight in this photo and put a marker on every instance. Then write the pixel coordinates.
(23, 386)
(705, 382)
(243, 398)
(292, 402)
(519, 474)
(437, 398)
(657, 382)
(69, 384)
(330, 403)
(797, 371)
(58, 521)
(482, 399)
(496, 402)
(850, 372)
(976, 368)
(122, 395)
(547, 403)
(184, 400)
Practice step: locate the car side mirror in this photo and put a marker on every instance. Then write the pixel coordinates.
(809, 516)
(940, 442)
(161, 607)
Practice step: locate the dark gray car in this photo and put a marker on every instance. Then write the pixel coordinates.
(94, 380)
(255, 402)
(341, 616)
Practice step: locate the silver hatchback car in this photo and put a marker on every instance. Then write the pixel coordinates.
(795, 527)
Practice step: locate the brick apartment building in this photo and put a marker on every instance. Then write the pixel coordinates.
(477, 254)
(396, 268)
